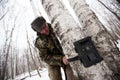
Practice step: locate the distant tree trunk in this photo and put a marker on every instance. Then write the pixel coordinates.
(11, 63)
(15, 66)
(30, 50)
(28, 63)
(11, 71)
(103, 42)
(7, 53)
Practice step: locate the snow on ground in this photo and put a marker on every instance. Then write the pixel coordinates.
(44, 75)
(35, 76)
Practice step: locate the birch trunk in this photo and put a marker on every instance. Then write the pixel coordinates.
(67, 31)
(64, 26)
(102, 39)
(104, 9)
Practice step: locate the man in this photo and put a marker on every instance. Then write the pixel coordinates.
(50, 50)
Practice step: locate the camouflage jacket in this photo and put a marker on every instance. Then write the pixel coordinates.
(50, 49)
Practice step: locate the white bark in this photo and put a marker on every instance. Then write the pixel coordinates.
(93, 27)
(113, 5)
(108, 13)
(36, 14)
(64, 26)
(63, 23)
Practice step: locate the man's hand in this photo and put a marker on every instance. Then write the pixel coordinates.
(65, 61)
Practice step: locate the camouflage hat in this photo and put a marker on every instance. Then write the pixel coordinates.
(38, 24)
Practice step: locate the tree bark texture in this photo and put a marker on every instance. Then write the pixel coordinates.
(64, 26)
(108, 13)
(102, 40)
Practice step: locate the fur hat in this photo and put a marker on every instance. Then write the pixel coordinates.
(38, 24)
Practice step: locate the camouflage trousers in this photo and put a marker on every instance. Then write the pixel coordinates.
(55, 73)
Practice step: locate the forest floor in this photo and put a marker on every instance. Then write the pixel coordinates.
(35, 76)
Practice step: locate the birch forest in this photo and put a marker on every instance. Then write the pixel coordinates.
(71, 21)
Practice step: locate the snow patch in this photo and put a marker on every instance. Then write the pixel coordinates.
(35, 76)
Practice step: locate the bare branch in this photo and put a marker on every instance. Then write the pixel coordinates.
(4, 15)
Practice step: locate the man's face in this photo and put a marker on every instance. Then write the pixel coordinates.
(45, 30)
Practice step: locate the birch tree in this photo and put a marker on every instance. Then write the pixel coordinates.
(64, 26)
(112, 6)
(6, 51)
(104, 10)
(58, 14)
(102, 39)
